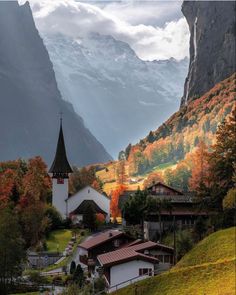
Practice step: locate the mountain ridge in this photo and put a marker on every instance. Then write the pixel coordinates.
(105, 81)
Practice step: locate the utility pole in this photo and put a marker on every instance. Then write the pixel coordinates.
(174, 240)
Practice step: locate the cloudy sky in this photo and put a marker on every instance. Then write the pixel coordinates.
(154, 29)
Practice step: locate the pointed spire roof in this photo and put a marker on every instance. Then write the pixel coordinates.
(60, 163)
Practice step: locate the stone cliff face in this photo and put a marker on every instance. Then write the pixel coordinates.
(212, 45)
(30, 101)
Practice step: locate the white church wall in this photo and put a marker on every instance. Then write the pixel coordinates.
(59, 195)
(88, 193)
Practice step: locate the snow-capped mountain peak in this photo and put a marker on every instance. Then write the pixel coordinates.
(118, 95)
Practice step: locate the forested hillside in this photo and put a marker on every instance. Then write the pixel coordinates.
(178, 136)
(183, 131)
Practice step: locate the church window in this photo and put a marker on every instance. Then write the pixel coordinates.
(60, 181)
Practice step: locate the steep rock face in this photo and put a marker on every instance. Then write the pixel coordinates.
(30, 101)
(212, 45)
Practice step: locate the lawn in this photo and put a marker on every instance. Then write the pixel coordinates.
(58, 240)
(208, 269)
(67, 259)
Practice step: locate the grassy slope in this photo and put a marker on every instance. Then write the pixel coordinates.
(109, 177)
(208, 269)
(67, 260)
(217, 247)
(60, 238)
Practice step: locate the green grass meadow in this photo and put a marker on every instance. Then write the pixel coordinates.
(208, 269)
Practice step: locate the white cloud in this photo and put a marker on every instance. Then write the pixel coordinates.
(78, 19)
(148, 12)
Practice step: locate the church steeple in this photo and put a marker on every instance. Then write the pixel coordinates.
(60, 166)
(60, 171)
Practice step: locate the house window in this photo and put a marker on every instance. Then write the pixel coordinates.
(160, 257)
(116, 243)
(166, 258)
(60, 181)
(145, 271)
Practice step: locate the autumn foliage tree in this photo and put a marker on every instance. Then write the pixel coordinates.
(121, 175)
(213, 172)
(25, 186)
(11, 176)
(36, 182)
(200, 178)
(223, 160)
(83, 177)
(153, 177)
(179, 176)
(6, 186)
(115, 211)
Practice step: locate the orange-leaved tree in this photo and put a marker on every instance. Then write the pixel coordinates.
(200, 178)
(152, 178)
(100, 218)
(7, 180)
(115, 195)
(36, 182)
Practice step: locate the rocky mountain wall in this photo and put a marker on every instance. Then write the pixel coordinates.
(212, 45)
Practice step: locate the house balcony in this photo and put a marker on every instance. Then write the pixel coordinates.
(84, 259)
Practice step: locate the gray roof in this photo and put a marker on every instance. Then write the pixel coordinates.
(60, 164)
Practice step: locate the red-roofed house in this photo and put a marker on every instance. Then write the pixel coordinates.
(164, 253)
(101, 243)
(134, 262)
(125, 266)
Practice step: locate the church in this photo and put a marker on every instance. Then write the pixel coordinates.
(73, 206)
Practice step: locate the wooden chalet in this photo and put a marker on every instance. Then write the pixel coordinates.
(183, 209)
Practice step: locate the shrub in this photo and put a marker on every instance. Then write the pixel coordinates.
(57, 280)
(200, 229)
(100, 285)
(184, 243)
(35, 277)
(69, 280)
(72, 268)
(79, 275)
(54, 217)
